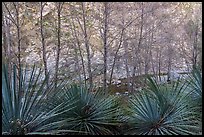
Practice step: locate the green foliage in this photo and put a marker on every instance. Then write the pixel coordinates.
(33, 108)
(195, 80)
(41, 110)
(195, 87)
(23, 104)
(94, 114)
(157, 111)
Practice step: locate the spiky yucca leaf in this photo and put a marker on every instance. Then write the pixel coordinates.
(195, 81)
(195, 86)
(94, 113)
(23, 104)
(160, 111)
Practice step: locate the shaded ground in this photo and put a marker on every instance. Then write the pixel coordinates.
(139, 82)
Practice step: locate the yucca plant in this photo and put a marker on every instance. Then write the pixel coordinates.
(195, 81)
(195, 87)
(24, 106)
(94, 114)
(163, 111)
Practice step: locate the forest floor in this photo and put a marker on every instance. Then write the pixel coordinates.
(139, 82)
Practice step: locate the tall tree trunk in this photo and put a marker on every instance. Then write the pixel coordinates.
(169, 64)
(77, 68)
(59, 8)
(7, 42)
(195, 47)
(16, 7)
(150, 54)
(126, 63)
(147, 49)
(43, 42)
(137, 51)
(152, 63)
(18, 36)
(87, 48)
(80, 52)
(105, 45)
(147, 59)
(8, 39)
(115, 56)
(159, 64)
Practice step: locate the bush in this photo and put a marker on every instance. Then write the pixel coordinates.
(94, 113)
(24, 109)
(156, 111)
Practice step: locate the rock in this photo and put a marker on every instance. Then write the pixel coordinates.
(126, 93)
(117, 93)
(173, 75)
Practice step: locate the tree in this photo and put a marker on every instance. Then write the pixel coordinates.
(16, 21)
(59, 9)
(87, 46)
(6, 40)
(137, 50)
(43, 41)
(105, 46)
(192, 30)
(83, 42)
(78, 48)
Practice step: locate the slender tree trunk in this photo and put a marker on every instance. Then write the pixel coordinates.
(18, 81)
(147, 60)
(7, 42)
(8, 36)
(147, 56)
(150, 54)
(105, 45)
(115, 56)
(156, 65)
(159, 64)
(82, 61)
(80, 52)
(133, 78)
(77, 68)
(126, 63)
(195, 47)
(18, 37)
(16, 7)
(59, 8)
(87, 49)
(169, 65)
(137, 51)
(43, 43)
(152, 63)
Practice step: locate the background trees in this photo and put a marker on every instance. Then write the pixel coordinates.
(103, 42)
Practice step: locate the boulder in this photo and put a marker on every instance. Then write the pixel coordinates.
(173, 75)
